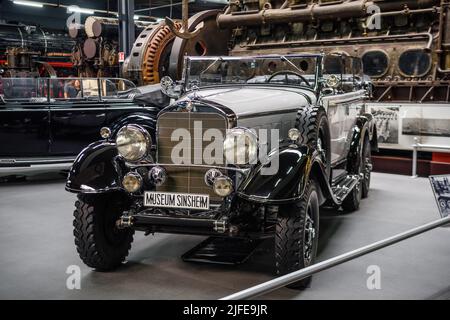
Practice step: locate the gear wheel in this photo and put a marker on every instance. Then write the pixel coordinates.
(161, 39)
(150, 54)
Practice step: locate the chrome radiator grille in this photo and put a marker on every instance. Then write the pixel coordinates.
(185, 178)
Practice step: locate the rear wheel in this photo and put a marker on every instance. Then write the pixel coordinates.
(352, 201)
(297, 235)
(100, 244)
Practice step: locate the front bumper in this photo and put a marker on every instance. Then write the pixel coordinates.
(185, 225)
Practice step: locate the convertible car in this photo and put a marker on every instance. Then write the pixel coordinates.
(251, 148)
(46, 122)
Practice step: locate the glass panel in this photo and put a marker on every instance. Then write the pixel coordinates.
(281, 70)
(414, 63)
(24, 89)
(333, 67)
(375, 63)
(117, 89)
(36, 90)
(89, 88)
(348, 83)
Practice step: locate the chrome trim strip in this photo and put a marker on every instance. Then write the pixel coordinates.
(268, 113)
(35, 168)
(244, 171)
(37, 161)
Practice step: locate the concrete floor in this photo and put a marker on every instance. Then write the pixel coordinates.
(36, 247)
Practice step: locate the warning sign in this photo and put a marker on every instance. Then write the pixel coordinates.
(121, 57)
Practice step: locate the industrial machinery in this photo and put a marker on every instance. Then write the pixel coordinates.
(157, 52)
(31, 51)
(405, 45)
(96, 52)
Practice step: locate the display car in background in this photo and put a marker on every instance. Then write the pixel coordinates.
(46, 122)
(251, 148)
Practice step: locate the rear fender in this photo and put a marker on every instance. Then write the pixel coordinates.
(363, 126)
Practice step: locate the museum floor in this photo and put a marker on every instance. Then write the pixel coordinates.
(36, 248)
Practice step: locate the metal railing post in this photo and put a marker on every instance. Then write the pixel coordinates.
(295, 276)
(416, 146)
(414, 160)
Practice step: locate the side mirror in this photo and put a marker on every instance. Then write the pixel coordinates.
(170, 88)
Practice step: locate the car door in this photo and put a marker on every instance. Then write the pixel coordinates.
(76, 122)
(343, 103)
(343, 109)
(24, 130)
(24, 119)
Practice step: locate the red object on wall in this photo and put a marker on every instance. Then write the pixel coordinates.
(441, 157)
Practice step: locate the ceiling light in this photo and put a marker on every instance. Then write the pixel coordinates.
(29, 3)
(80, 10)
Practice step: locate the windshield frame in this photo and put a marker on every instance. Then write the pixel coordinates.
(213, 59)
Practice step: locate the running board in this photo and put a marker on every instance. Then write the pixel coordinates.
(224, 251)
(342, 188)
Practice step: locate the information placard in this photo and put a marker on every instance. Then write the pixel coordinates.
(441, 189)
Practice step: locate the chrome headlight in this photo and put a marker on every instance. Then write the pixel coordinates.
(133, 142)
(241, 146)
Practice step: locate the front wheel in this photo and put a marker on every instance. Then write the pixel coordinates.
(297, 235)
(100, 244)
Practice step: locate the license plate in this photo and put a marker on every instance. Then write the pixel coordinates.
(176, 200)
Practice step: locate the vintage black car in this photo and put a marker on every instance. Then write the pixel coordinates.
(250, 149)
(46, 122)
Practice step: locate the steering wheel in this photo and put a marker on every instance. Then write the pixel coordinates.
(287, 72)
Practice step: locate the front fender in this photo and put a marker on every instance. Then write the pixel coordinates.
(95, 170)
(145, 120)
(287, 184)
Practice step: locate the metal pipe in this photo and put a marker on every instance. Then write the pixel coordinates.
(394, 13)
(347, 40)
(290, 278)
(347, 9)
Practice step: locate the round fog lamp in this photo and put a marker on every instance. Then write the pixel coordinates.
(223, 186)
(132, 182)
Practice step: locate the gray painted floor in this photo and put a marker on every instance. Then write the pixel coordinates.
(36, 247)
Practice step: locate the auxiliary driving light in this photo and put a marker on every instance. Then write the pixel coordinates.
(223, 186)
(132, 182)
